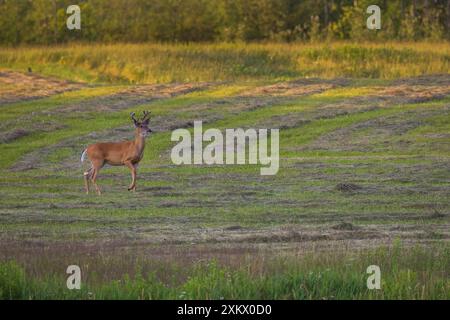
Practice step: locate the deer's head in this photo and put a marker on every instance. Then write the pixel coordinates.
(142, 126)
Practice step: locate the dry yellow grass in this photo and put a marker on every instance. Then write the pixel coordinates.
(161, 63)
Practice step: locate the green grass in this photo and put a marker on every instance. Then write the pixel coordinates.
(18, 109)
(406, 273)
(160, 63)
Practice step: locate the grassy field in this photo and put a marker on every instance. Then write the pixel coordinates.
(364, 173)
(162, 63)
(410, 273)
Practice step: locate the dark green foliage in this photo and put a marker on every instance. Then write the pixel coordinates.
(44, 21)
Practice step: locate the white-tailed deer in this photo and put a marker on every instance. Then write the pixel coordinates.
(126, 153)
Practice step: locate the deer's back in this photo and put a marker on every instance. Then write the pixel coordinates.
(110, 152)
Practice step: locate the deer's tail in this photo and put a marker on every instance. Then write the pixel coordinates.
(83, 155)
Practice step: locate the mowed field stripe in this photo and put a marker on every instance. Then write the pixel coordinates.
(85, 121)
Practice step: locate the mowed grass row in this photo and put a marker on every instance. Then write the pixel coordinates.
(82, 123)
(73, 126)
(406, 273)
(160, 142)
(52, 204)
(162, 63)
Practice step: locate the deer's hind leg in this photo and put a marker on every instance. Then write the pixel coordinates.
(87, 175)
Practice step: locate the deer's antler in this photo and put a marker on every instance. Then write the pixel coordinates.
(146, 115)
(133, 118)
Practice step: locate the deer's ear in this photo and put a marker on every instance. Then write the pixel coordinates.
(136, 124)
(146, 121)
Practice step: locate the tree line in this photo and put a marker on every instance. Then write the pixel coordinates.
(44, 21)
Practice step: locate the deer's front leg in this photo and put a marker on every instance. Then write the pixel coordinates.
(132, 167)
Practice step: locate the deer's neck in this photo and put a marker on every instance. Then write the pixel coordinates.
(139, 143)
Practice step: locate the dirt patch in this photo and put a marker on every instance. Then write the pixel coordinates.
(7, 136)
(234, 105)
(129, 97)
(286, 121)
(298, 87)
(158, 188)
(165, 90)
(13, 135)
(16, 86)
(436, 214)
(348, 187)
(233, 228)
(414, 93)
(344, 226)
(426, 80)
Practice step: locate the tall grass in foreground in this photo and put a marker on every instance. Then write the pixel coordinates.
(159, 63)
(406, 273)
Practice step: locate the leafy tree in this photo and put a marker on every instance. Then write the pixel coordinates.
(44, 21)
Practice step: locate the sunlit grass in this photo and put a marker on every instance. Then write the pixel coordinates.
(159, 63)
